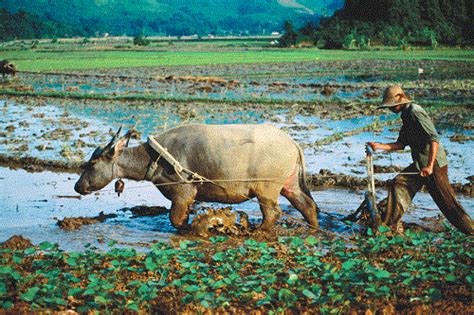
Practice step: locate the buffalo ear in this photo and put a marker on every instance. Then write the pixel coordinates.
(118, 147)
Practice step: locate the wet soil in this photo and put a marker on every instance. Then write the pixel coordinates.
(323, 81)
(325, 178)
(33, 164)
(144, 211)
(70, 224)
(16, 242)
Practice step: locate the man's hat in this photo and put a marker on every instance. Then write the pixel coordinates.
(394, 96)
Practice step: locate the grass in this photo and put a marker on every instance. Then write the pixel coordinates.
(422, 271)
(30, 60)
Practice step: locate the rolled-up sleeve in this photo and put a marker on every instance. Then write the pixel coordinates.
(426, 126)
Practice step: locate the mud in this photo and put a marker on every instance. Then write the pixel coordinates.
(33, 164)
(145, 211)
(220, 222)
(70, 224)
(16, 242)
(325, 178)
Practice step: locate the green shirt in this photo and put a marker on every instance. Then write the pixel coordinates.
(418, 132)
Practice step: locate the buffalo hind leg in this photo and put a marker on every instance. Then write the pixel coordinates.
(303, 203)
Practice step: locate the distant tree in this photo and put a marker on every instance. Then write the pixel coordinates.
(27, 26)
(140, 41)
(290, 36)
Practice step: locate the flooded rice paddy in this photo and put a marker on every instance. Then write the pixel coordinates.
(34, 202)
(327, 108)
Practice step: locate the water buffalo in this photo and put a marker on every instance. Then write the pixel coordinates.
(6, 67)
(245, 161)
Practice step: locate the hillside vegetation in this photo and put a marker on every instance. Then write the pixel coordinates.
(151, 17)
(362, 23)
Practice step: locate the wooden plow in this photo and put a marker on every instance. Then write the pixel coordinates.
(368, 208)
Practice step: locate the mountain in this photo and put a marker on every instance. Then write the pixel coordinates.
(174, 17)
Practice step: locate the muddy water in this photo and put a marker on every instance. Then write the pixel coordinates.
(33, 202)
(71, 132)
(284, 86)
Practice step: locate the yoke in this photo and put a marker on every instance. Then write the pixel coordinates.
(178, 168)
(163, 153)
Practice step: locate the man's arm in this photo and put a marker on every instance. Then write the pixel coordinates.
(394, 146)
(428, 169)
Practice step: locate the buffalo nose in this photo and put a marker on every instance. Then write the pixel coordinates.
(78, 189)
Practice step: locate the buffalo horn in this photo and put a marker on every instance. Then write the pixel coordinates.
(112, 141)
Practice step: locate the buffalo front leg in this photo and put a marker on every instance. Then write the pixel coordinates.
(180, 207)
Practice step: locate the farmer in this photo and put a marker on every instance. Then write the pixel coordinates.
(429, 167)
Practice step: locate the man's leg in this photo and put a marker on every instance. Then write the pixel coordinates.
(401, 191)
(444, 196)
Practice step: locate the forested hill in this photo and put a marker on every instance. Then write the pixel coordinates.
(170, 17)
(396, 22)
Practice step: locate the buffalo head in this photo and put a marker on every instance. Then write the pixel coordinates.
(100, 170)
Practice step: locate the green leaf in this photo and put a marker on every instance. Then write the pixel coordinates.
(15, 275)
(218, 284)
(191, 288)
(100, 300)
(263, 301)
(435, 294)
(383, 229)
(45, 246)
(89, 292)
(286, 295)
(134, 283)
(220, 256)
(74, 291)
(311, 240)
(450, 277)
(310, 294)
(5, 270)
(133, 306)
(371, 288)
(382, 274)
(292, 279)
(6, 305)
(150, 264)
(218, 239)
(251, 243)
(17, 260)
(370, 232)
(384, 289)
(59, 301)
(29, 251)
(297, 242)
(30, 294)
(348, 264)
(469, 279)
(186, 244)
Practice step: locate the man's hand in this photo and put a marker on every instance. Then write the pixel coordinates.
(374, 145)
(426, 171)
(386, 146)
